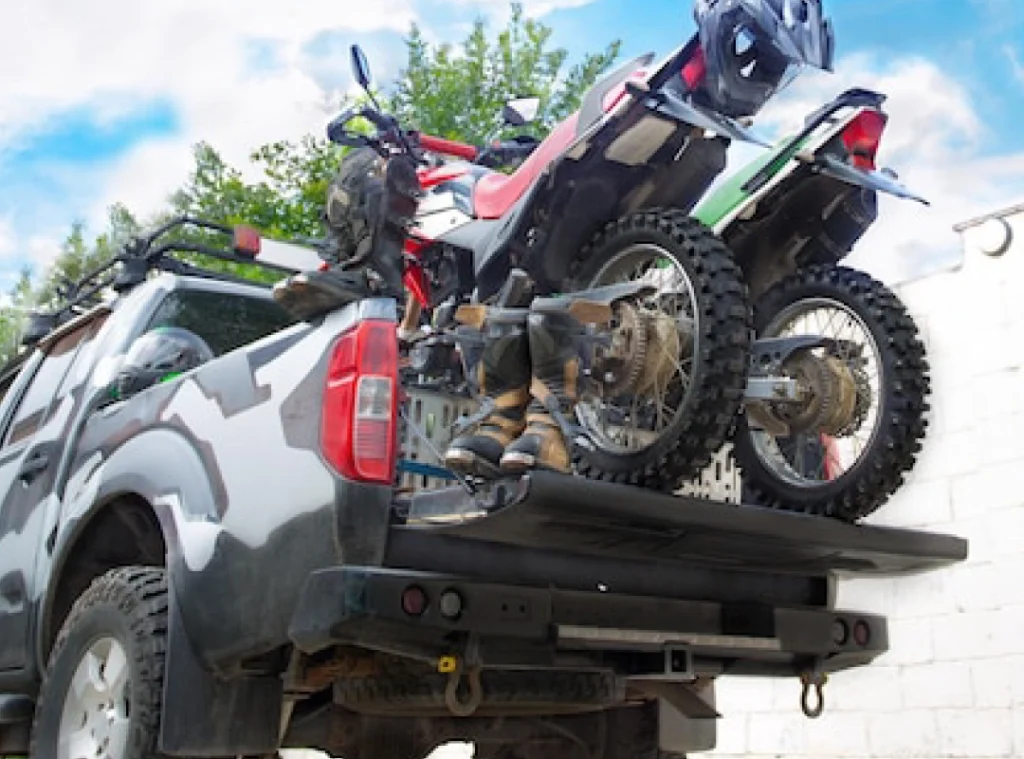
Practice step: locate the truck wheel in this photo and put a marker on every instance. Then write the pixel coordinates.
(626, 732)
(849, 468)
(674, 378)
(102, 691)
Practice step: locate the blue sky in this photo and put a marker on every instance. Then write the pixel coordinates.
(91, 125)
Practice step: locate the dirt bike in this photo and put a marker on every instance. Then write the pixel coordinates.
(600, 204)
(853, 356)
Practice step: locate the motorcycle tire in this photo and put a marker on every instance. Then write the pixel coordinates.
(722, 334)
(902, 400)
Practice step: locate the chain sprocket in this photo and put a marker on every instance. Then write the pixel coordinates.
(621, 364)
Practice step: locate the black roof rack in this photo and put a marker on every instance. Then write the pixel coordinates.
(140, 256)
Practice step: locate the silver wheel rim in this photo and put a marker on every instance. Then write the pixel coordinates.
(651, 263)
(834, 457)
(94, 722)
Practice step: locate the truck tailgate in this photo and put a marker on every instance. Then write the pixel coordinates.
(572, 514)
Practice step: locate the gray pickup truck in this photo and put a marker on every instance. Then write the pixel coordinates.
(224, 564)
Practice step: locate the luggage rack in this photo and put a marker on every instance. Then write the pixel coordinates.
(133, 264)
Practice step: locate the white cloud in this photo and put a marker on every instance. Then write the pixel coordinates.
(112, 57)
(1016, 67)
(934, 140)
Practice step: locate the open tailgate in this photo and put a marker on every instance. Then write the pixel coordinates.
(578, 515)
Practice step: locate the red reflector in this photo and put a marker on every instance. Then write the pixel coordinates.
(247, 241)
(861, 633)
(414, 601)
(359, 428)
(695, 69)
(862, 137)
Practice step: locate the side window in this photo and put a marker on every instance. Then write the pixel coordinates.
(31, 412)
(225, 322)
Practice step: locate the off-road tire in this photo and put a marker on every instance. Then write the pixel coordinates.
(720, 370)
(128, 604)
(628, 732)
(902, 424)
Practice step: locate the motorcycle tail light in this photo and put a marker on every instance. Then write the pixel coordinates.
(862, 137)
(694, 71)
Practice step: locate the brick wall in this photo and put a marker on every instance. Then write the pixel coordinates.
(952, 684)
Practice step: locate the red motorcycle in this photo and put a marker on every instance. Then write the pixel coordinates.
(600, 205)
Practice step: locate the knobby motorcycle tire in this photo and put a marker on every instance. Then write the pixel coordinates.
(723, 332)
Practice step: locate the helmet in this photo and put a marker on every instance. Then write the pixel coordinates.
(754, 48)
(159, 355)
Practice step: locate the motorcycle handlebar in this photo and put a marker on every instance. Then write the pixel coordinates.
(448, 147)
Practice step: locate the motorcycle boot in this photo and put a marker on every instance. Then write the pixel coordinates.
(558, 340)
(312, 293)
(501, 371)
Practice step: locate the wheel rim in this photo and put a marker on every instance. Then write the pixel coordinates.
(95, 719)
(630, 425)
(812, 460)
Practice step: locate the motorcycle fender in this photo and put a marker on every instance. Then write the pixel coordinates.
(673, 107)
(872, 180)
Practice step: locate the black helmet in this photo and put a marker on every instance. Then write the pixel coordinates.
(160, 354)
(754, 48)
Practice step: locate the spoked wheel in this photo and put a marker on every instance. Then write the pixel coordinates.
(857, 432)
(672, 379)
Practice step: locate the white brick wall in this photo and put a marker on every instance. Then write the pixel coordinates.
(952, 684)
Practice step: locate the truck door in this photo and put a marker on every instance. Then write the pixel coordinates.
(35, 420)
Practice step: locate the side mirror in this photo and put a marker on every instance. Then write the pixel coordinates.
(520, 111)
(39, 326)
(360, 67)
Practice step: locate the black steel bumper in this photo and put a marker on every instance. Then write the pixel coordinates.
(534, 626)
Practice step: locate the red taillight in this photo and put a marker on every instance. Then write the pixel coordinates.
(862, 136)
(694, 71)
(359, 428)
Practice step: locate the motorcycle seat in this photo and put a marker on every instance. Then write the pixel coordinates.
(496, 193)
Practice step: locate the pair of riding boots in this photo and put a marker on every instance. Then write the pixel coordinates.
(527, 369)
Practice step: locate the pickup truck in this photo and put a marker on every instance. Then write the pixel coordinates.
(226, 564)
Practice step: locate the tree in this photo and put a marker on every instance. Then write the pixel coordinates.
(451, 92)
(459, 93)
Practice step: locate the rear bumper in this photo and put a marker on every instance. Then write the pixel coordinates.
(536, 626)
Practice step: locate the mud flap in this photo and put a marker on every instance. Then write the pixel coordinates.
(208, 716)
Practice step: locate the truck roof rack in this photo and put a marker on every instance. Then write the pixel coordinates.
(142, 255)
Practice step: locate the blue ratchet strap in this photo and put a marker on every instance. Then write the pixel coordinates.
(425, 470)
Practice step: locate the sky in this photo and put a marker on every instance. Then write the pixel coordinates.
(101, 102)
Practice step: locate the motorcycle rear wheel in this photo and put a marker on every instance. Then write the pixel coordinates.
(893, 418)
(683, 424)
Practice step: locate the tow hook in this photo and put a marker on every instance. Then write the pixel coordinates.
(815, 680)
(456, 668)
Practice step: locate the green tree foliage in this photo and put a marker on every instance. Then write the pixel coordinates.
(451, 91)
(458, 93)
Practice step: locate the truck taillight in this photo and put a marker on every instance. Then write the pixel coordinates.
(359, 427)
(862, 136)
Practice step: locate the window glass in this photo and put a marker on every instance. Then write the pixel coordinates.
(225, 322)
(41, 391)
